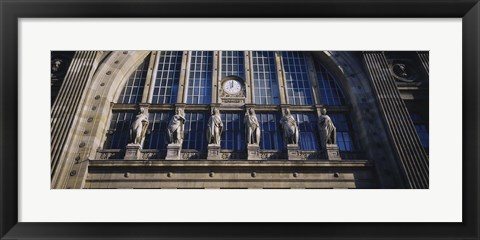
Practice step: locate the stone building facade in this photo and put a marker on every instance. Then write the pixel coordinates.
(378, 102)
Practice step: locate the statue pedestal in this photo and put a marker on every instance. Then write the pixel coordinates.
(214, 152)
(292, 150)
(332, 152)
(253, 152)
(174, 151)
(132, 151)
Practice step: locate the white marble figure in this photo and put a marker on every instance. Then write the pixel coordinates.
(139, 127)
(215, 127)
(290, 128)
(176, 127)
(328, 132)
(253, 127)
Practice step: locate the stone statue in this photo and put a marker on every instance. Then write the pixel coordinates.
(215, 126)
(253, 128)
(328, 132)
(290, 128)
(176, 127)
(139, 127)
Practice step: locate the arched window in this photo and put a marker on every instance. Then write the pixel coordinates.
(330, 92)
(168, 79)
(133, 90)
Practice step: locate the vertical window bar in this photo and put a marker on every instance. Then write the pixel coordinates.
(167, 77)
(299, 91)
(265, 78)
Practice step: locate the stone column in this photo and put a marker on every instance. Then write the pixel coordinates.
(281, 78)
(424, 59)
(412, 157)
(64, 113)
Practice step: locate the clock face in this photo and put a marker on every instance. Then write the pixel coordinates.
(232, 86)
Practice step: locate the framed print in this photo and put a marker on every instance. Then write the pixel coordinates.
(250, 120)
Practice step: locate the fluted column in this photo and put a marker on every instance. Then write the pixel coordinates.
(423, 56)
(406, 144)
(67, 103)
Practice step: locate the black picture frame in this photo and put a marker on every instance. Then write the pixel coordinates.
(11, 11)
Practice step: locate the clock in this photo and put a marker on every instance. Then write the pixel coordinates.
(232, 90)
(232, 86)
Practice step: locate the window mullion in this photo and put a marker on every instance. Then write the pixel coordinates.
(151, 76)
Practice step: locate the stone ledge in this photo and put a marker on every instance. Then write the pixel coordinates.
(232, 163)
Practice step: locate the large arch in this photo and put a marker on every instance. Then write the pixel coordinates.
(92, 118)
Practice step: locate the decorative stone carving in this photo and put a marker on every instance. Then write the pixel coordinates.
(176, 127)
(232, 90)
(265, 154)
(139, 127)
(327, 130)
(402, 72)
(193, 155)
(214, 127)
(252, 127)
(106, 154)
(289, 128)
(56, 64)
(310, 155)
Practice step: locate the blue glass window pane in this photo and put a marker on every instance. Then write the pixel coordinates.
(271, 137)
(119, 131)
(330, 91)
(195, 131)
(133, 90)
(265, 77)
(296, 76)
(233, 64)
(233, 134)
(344, 132)
(200, 77)
(307, 125)
(156, 134)
(168, 74)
